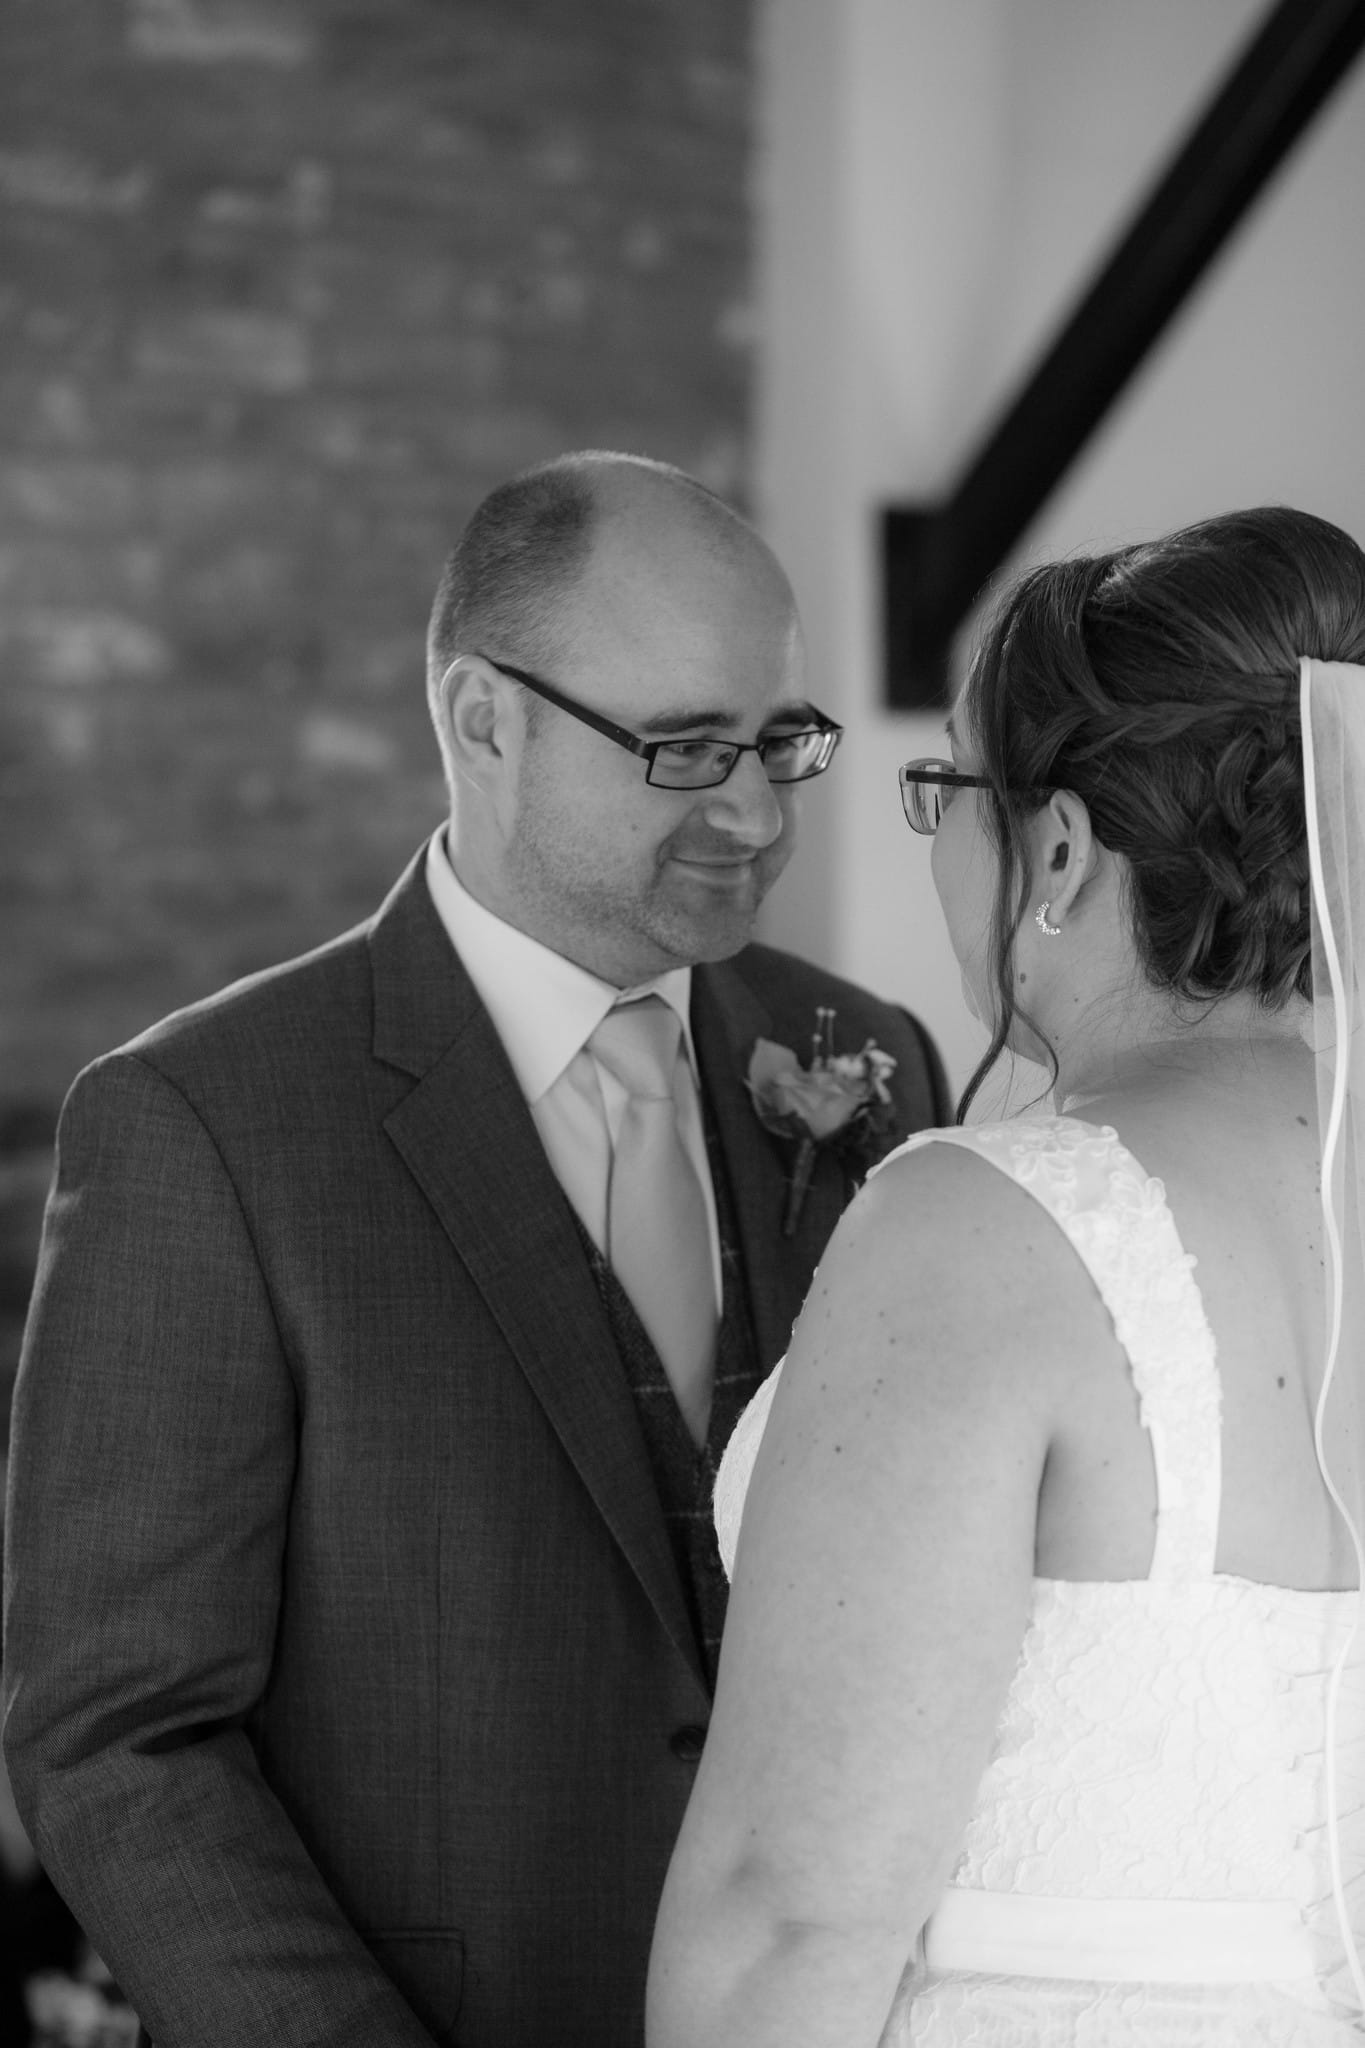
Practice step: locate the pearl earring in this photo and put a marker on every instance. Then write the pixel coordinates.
(1053, 931)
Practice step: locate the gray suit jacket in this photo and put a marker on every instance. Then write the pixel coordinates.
(352, 1693)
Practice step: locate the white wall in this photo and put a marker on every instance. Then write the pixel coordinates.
(937, 179)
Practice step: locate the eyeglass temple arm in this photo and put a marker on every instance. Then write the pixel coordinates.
(646, 749)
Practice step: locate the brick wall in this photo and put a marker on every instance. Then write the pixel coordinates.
(285, 286)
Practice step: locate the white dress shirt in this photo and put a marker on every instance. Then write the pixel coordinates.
(544, 1009)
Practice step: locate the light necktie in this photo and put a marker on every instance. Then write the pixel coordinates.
(658, 1238)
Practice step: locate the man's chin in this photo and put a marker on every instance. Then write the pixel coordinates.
(726, 947)
(717, 936)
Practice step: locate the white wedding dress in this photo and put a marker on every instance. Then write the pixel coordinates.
(1147, 1858)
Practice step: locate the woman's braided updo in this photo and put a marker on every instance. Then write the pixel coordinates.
(1159, 683)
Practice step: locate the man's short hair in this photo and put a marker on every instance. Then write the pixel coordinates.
(505, 584)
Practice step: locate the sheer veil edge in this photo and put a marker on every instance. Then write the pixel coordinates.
(1332, 709)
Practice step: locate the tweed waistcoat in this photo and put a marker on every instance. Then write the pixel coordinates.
(685, 1477)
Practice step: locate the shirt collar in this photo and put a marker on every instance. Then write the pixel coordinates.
(544, 1007)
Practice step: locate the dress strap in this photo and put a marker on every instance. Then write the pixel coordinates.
(1118, 1222)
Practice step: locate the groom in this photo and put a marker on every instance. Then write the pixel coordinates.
(393, 1310)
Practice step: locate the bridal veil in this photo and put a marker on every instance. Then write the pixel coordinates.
(1332, 706)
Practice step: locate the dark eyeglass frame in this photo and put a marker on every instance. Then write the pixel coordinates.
(648, 750)
(918, 776)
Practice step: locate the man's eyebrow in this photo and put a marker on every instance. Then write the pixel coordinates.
(949, 727)
(673, 723)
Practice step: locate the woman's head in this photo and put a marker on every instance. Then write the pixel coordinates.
(1159, 683)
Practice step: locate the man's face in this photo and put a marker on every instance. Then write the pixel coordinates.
(670, 636)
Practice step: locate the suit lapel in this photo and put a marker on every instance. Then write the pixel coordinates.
(466, 1136)
(727, 1016)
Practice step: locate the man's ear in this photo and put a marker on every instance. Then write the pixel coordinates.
(1064, 852)
(476, 713)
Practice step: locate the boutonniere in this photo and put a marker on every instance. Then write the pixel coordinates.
(839, 1103)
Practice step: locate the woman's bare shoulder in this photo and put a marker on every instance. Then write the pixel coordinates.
(958, 1258)
(956, 1196)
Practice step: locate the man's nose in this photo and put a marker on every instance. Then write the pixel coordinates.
(746, 806)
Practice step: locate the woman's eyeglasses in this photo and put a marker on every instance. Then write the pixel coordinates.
(928, 787)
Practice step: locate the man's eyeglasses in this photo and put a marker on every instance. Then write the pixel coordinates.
(928, 787)
(700, 764)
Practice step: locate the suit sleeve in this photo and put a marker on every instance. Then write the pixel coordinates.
(151, 1468)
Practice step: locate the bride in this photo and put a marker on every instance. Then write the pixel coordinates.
(1039, 1718)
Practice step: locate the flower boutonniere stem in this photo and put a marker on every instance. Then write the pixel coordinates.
(838, 1102)
(803, 1166)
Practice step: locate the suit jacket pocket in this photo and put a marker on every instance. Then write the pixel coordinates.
(427, 1965)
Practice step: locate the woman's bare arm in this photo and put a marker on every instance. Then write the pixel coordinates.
(880, 1598)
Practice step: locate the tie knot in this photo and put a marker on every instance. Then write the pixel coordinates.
(638, 1043)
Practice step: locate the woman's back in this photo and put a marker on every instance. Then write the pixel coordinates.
(1230, 1130)
(1147, 1845)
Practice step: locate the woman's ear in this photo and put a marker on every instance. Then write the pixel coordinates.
(1064, 852)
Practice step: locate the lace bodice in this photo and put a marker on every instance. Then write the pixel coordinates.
(1162, 1738)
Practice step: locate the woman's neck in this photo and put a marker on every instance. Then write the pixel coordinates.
(1150, 1038)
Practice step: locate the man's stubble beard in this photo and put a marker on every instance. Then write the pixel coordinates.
(557, 877)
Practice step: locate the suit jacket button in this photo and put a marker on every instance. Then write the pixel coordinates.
(687, 1743)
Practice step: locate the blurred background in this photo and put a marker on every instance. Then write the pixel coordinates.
(287, 285)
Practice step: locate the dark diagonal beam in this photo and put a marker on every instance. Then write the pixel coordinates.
(936, 559)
